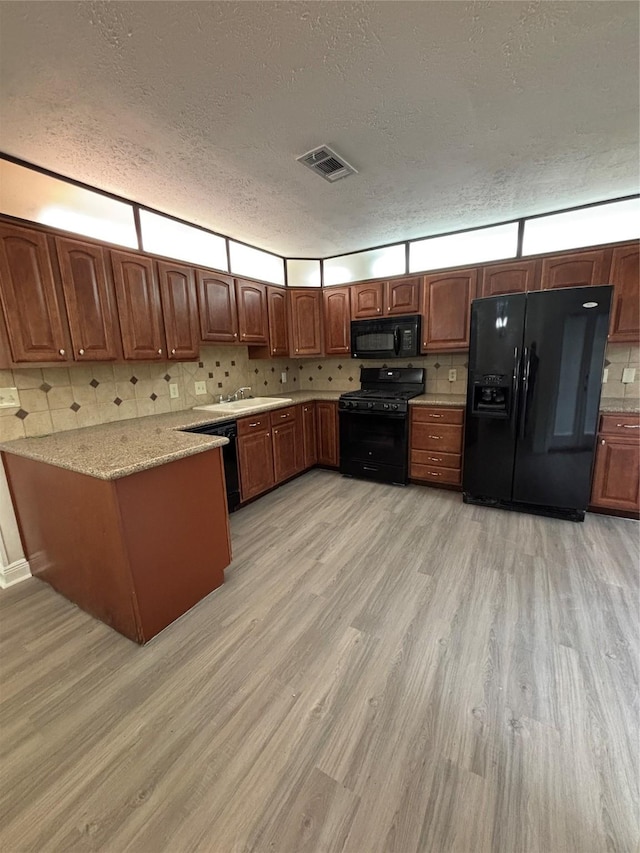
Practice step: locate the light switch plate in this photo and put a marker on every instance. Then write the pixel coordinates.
(201, 387)
(283, 376)
(453, 374)
(174, 393)
(605, 375)
(9, 398)
(629, 374)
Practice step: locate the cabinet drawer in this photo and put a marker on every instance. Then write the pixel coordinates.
(434, 474)
(432, 457)
(627, 425)
(428, 415)
(281, 416)
(446, 438)
(247, 426)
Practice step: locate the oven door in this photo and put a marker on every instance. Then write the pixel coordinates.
(374, 445)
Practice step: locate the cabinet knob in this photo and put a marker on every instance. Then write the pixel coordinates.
(603, 441)
(378, 310)
(80, 352)
(296, 350)
(159, 352)
(269, 435)
(273, 350)
(61, 352)
(275, 432)
(173, 351)
(235, 334)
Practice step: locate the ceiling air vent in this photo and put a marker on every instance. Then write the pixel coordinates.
(327, 163)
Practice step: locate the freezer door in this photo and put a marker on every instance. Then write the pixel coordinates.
(564, 344)
(497, 326)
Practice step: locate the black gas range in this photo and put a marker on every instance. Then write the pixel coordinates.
(374, 424)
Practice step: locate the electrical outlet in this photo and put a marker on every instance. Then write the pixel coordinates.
(453, 374)
(174, 393)
(283, 376)
(9, 398)
(201, 387)
(605, 375)
(628, 374)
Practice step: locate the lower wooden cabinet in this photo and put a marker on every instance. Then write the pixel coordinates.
(327, 433)
(288, 446)
(435, 444)
(616, 476)
(309, 435)
(255, 456)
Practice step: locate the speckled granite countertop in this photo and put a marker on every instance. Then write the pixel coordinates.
(624, 405)
(439, 400)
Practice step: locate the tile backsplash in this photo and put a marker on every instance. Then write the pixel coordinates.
(53, 399)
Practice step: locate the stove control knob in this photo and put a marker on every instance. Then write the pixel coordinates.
(395, 406)
(385, 406)
(354, 404)
(370, 405)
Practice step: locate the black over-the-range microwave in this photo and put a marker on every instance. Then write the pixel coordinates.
(386, 337)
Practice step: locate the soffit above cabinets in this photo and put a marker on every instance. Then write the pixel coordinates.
(455, 114)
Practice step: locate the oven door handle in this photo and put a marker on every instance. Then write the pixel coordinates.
(396, 340)
(366, 413)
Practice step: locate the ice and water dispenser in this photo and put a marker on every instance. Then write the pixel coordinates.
(491, 396)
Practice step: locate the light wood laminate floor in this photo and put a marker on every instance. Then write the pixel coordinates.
(385, 669)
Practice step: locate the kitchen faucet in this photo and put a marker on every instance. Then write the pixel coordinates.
(234, 396)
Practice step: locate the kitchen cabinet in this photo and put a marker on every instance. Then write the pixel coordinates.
(367, 300)
(577, 269)
(309, 441)
(277, 311)
(514, 277)
(385, 298)
(288, 449)
(616, 476)
(337, 320)
(327, 433)
(217, 304)
(435, 444)
(139, 306)
(253, 320)
(33, 305)
(625, 306)
(90, 301)
(446, 309)
(255, 456)
(402, 296)
(179, 310)
(305, 322)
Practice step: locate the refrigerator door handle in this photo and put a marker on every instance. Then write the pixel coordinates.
(515, 388)
(526, 355)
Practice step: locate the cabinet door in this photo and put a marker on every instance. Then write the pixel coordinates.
(625, 308)
(517, 277)
(90, 301)
(446, 308)
(218, 313)
(579, 269)
(616, 479)
(179, 309)
(286, 450)
(327, 433)
(309, 434)
(278, 333)
(337, 320)
(33, 308)
(139, 306)
(306, 325)
(367, 300)
(253, 322)
(402, 296)
(255, 461)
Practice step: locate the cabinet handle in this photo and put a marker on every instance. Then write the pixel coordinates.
(433, 415)
(629, 426)
(433, 474)
(255, 425)
(284, 416)
(434, 459)
(435, 436)
(173, 352)
(80, 352)
(159, 352)
(61, 351)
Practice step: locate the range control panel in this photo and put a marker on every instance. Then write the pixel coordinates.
(387, 407)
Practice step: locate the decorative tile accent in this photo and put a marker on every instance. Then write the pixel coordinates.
(94, 383)
(75, 406)
(319, 367)
(133, 380)
(21, 414)
(436, 365)
(233, 364)
(256, 371)
(226, 373)
(210, 375)
(153, 397)
(46, 387)
(218, 365)
(219, 384)
(167, 377)
(117, 401)
(339, 367)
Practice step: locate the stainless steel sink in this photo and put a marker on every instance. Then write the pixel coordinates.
(239, 406)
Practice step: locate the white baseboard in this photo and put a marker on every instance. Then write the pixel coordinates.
(14, 573)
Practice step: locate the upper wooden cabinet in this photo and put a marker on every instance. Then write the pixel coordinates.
(337, 320)
(367, 300)
(578, 269)
(90, 301)
(446, 309)
(402, 296)
(305, 321)
(218, 312)
(514, 277)
(625, 308)
(139, 306)
(277, 311)
(179, 309)
(253, 322)
(32, 304)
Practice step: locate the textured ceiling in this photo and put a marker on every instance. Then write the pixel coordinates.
(455, 114)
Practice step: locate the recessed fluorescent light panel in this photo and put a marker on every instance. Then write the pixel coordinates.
(468, 247)
(375, 263)
(245, 260)
(303, 273)
(163, 236)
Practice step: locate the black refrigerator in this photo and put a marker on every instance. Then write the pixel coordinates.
(535, 374)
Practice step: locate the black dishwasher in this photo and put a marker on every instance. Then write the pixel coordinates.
(229, 430)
